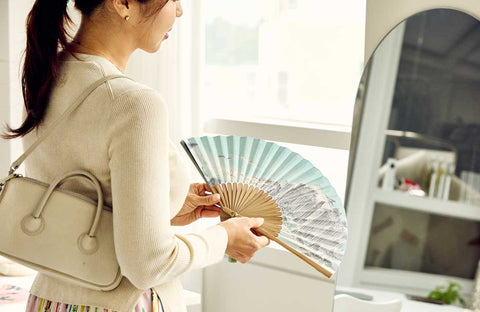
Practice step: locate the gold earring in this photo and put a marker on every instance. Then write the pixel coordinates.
(127, 17)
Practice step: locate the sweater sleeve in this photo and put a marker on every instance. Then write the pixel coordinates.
(148, 251)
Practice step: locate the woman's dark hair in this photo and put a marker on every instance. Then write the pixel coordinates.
(46, 33)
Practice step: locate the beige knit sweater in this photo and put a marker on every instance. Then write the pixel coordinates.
(120, 134)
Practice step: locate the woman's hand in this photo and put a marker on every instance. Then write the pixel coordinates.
(197, 205)
(242, 243)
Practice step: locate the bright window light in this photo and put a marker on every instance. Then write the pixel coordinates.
(295, 60)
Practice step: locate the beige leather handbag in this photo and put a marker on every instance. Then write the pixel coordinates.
(57, 232)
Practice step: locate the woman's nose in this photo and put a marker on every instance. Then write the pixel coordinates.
(179, 8)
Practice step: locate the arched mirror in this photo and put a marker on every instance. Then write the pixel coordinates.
(413, 190)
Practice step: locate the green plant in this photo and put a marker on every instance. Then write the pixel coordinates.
(448, 294)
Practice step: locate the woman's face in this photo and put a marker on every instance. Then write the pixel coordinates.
(155, 29)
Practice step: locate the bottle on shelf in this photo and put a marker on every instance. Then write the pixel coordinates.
(448, 181)
(442, 170)
(389, 177)
(433, 177)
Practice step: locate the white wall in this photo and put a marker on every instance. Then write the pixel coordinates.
(12, 35)
(273, 280)
(256, 288)
(384, 15)
(4, 86)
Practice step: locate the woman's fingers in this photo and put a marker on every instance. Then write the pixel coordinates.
(214, 208)
(205, 213)
(206, 187)
(207, 200)
(201, 188)
(209, 213)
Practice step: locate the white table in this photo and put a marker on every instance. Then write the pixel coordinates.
(407, 305)
(191, 298)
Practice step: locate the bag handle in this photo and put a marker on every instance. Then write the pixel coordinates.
(14, 166)
(34, 223)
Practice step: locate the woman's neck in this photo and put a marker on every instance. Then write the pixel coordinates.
(111, 45)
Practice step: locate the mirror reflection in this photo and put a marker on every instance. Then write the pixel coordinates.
(435, 118)
(420, 117)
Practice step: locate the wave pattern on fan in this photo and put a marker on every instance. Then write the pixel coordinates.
(313, 217)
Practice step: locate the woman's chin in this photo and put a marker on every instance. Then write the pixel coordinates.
(153, 49)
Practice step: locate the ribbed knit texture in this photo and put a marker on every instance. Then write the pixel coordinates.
(120, 134)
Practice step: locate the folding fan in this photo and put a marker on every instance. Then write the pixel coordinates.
(255, 178)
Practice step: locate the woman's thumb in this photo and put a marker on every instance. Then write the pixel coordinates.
(255, 222)
(263, 240)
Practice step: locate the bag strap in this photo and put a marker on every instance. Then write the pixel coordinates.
(14, 166)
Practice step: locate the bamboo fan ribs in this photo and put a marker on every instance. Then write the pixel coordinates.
(245, 200)
(256, 178)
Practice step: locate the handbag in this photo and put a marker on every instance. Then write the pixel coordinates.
(58, 232)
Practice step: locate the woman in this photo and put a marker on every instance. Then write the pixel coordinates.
(119, 134)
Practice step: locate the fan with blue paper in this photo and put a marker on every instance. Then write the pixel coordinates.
(256, 178)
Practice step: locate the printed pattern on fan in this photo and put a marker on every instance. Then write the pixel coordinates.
(313, 217)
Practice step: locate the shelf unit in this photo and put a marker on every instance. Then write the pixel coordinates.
(376, 277)
(429, 205)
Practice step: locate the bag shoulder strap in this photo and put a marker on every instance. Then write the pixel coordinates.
(79, 100)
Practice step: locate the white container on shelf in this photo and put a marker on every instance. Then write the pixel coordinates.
(442, 172)
(389, 177)
(433, 178)
(448, 181)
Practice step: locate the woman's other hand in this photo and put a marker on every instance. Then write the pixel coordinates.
(197, 205)
(242, 243)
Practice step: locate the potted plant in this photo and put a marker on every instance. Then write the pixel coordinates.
(448, 294)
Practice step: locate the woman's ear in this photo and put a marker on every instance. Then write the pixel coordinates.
(179, 8)
(122, 8)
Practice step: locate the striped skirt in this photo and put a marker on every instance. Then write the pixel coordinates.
(148, 302)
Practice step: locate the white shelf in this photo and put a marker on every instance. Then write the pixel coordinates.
(429, 205)
(401, 281)
(407, 305)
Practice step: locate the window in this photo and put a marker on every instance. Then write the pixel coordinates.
(286, 60)
(285, 71)
(292, 4)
